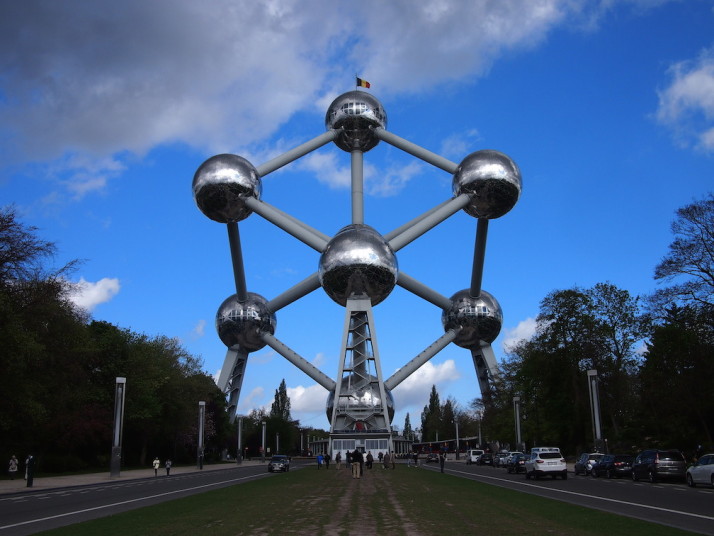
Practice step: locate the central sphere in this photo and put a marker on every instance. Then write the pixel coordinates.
(358, 399)
(358, 261)
(355, 114)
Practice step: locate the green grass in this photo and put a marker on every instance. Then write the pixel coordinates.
(406, 501)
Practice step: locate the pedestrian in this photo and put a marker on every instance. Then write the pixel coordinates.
(380, 456)
(442, 459)
(29, 469)
(385, 459)
(12, 467)
(410, 458)
(348, 460)
(360, 459)
(338, 459)
(370, 460)
(168, 467)
(416, 459)
(157, 463)
(319, 459)
(327, 461)
(355, 464)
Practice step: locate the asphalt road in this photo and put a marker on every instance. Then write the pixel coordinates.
(34, 511)
(666, 503)
(670, 504)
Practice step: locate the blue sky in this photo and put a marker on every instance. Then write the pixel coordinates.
(107, 110)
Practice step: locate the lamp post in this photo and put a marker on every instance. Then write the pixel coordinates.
(239, 450)
(201, 426)
(262, 448)
(456, 421)
(119, 396)
(277, 442)
(595, 408)
(517, 416)
(480, 441)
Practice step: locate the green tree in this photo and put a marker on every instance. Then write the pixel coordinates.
(431, 417)
(408, 432)
(281, 404)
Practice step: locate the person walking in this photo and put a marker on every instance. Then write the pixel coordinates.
(442, 459)
(156, 464)
(370, 460)
(385, 461)
(319, 459)
(168, 467)
(338, 459)
(327, 461)
(355, 464)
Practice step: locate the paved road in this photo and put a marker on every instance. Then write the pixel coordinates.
(670, 504)
(60, 501)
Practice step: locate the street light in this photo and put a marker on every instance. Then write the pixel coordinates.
(517, 415)
(456, 421)
(201, 425)
(595, 408)
(262, 448)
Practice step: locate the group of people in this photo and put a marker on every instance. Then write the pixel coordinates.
(356, 461)
(13, 466)
(157, 463)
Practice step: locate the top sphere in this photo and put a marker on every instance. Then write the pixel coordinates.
(356, 113)
(492, 180)
(222, 183)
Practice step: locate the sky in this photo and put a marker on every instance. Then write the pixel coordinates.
(107, 109)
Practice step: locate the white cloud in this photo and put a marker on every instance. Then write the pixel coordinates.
(88, 295)
(102, 80)
(248, 402)
(414, 391)
(524, 330)
(199, 330)
(687, 104)
(309, 399)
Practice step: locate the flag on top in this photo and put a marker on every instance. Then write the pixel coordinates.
(362, 83)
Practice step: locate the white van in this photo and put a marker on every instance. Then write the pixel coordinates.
(473, 456)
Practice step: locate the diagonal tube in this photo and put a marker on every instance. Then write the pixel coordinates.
(303, 288)
(237, 259)
(297, 152)
(302, 232)
(414, 150)
(479, 257)
(415, 287)
(299, 361)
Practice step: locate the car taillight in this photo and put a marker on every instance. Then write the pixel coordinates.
(539, 461)
(562, 460)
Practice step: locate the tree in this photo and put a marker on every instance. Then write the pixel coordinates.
(431, 417)
(281, 404)
(690, 259)
(408, 432)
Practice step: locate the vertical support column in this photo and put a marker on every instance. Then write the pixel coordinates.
(237, 259)
(479, 258)
(119, 397)
(201, 426)
(517, 417)
(357, 186)
(595, 408)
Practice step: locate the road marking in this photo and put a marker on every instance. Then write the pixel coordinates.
(574, 493)
(2, 527)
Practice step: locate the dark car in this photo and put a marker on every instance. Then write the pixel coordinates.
(486, 459)
(585, 462)
(613, 465)
(432, 457)
(279, 462)
(517, 464)
(654, 465)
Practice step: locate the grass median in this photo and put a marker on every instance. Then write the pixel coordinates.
(405, 501)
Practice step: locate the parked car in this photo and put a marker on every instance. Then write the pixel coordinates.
(546, 461)
(517, 463)
(432, 457)
(511, 454)
(499, 459)
(613, 465)
(473, 455)
(279, 462)
(701, 472)
(486, 459)
(656, 465)
(585, 462)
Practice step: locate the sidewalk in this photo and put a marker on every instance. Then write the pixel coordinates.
(44, 483)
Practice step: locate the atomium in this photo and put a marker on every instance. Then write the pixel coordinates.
(355, 114)
(479, 319)
(221, 185)
(242, 322)
(358, 262)
(360, 398)
(492, 180)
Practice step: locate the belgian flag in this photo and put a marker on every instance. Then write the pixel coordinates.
(362, 83)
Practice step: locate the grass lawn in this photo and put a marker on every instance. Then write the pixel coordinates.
(406, 501)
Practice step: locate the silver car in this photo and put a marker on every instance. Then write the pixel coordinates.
(701, 472)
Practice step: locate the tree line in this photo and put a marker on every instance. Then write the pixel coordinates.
(654, 357)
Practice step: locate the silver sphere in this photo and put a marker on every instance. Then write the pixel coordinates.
(222, 183)
(242, 323)
(492, 180)
(359, 399)
(480, 318)
(356, 113)
(358, 261)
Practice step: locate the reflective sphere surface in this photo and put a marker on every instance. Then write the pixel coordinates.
(480, 318)
(221, 184)
(360, 398)
(358, 261)
(356, 113)
(242, 323)
(492, 180)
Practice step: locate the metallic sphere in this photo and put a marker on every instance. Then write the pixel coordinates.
(358, 261)
(242, 323)
(356, 113)
(222, 183)
(480, 318)
(492, 180)
(358, 398)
